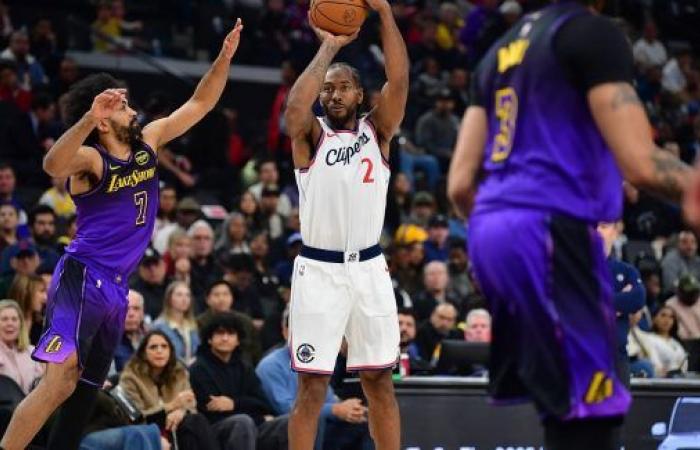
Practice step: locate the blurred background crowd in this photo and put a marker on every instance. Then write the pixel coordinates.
(210, 293)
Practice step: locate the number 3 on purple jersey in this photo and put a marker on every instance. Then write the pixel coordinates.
(507, 114)
(141, 202)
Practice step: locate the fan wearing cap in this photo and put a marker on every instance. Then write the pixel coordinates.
(187, 211)
(686, 305)
(151, 281)
(436, 130)
(436, 247)
(24, 260)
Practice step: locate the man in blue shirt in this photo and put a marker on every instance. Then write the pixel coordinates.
(280, 385)
(630, 295)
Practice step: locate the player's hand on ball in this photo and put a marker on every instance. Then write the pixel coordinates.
(107, 103)
(335, 40)
(232, 40)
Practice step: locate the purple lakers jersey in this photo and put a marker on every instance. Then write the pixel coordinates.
(543, 149)
(116, 218)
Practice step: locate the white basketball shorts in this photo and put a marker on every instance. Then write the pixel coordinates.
(354, 299)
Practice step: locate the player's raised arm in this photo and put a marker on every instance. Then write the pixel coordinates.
(67, 156)
(298, 116)
(466, 161)
(623, 123)
(388, 114)
(205, 97)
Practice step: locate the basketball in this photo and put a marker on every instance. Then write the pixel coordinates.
(338, 16)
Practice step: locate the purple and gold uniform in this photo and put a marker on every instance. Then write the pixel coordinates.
(88, 294)
(549, 178)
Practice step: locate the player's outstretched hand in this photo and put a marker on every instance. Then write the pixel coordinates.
(228, 49)
(107, 103)
(378, 5)
(336, 40)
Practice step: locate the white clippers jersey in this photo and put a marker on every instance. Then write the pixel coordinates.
(342, 194)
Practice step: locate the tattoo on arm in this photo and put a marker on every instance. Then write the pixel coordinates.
(625, 95)
(670, 174)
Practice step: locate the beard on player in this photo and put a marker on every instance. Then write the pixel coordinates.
(130, 134)
(339, 114)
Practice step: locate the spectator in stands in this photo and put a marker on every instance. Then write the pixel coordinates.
(233, 237)
(239, 272)
(227, 390)
(273, 222)
(269, 177)
(204, 269)
(42, 223)
(670, 356)
(29, 70)
(414, 159)
(430, 82)
(134, 330)
(278, 143)
(398, 206)
(629, 295)
(448, 27)
(437, 246)
(12, 89)
(683, 259)
(440, 326)
(58, 199)
(473, 35)
(167, 201)
(44, 45)
(177, 258)
(151, 281)
(284, 268)
(15, 351)
(404, 274)
(676, 72)
(686, 306)
(648, 50)
(177, 321)
(6, 28)
(187, 212)
(248, 206)
(511, 11)
(29, 291)
(423, 208)
(458, 267)
(23, 259)
(407, 342)
(157, 383)
(280, 385)
(9, 217)
(220, 299)
(105, 28)
(436, 130)
(68, 75)
(435, 280)
(477, 327)
(458, 84)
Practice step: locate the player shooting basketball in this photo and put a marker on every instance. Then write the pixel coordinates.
(111, 167)
(341, 285)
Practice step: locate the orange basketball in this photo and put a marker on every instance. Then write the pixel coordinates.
(338, 16)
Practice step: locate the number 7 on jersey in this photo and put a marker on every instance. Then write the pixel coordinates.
(141, 202)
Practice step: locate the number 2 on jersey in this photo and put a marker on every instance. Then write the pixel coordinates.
(507, 114)
(141, 202)
(368, 174)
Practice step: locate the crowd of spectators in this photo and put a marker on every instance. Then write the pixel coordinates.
(203, 350)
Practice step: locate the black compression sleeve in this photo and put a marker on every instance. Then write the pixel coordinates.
(593, 50)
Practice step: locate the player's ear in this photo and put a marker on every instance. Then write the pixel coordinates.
(360, 95)
(103, 126)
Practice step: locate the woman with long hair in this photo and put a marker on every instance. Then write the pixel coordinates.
(248, 206)
(158, 385)
(670, 354)
(29, 291)
(234, 232)
(177, 321)
(177, 257)
(15, 351)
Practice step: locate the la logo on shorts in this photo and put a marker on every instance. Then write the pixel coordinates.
(54, 345)
(305, 353)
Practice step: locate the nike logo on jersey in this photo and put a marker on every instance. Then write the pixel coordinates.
(111, 167)
(345, 154)
(330, 134)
